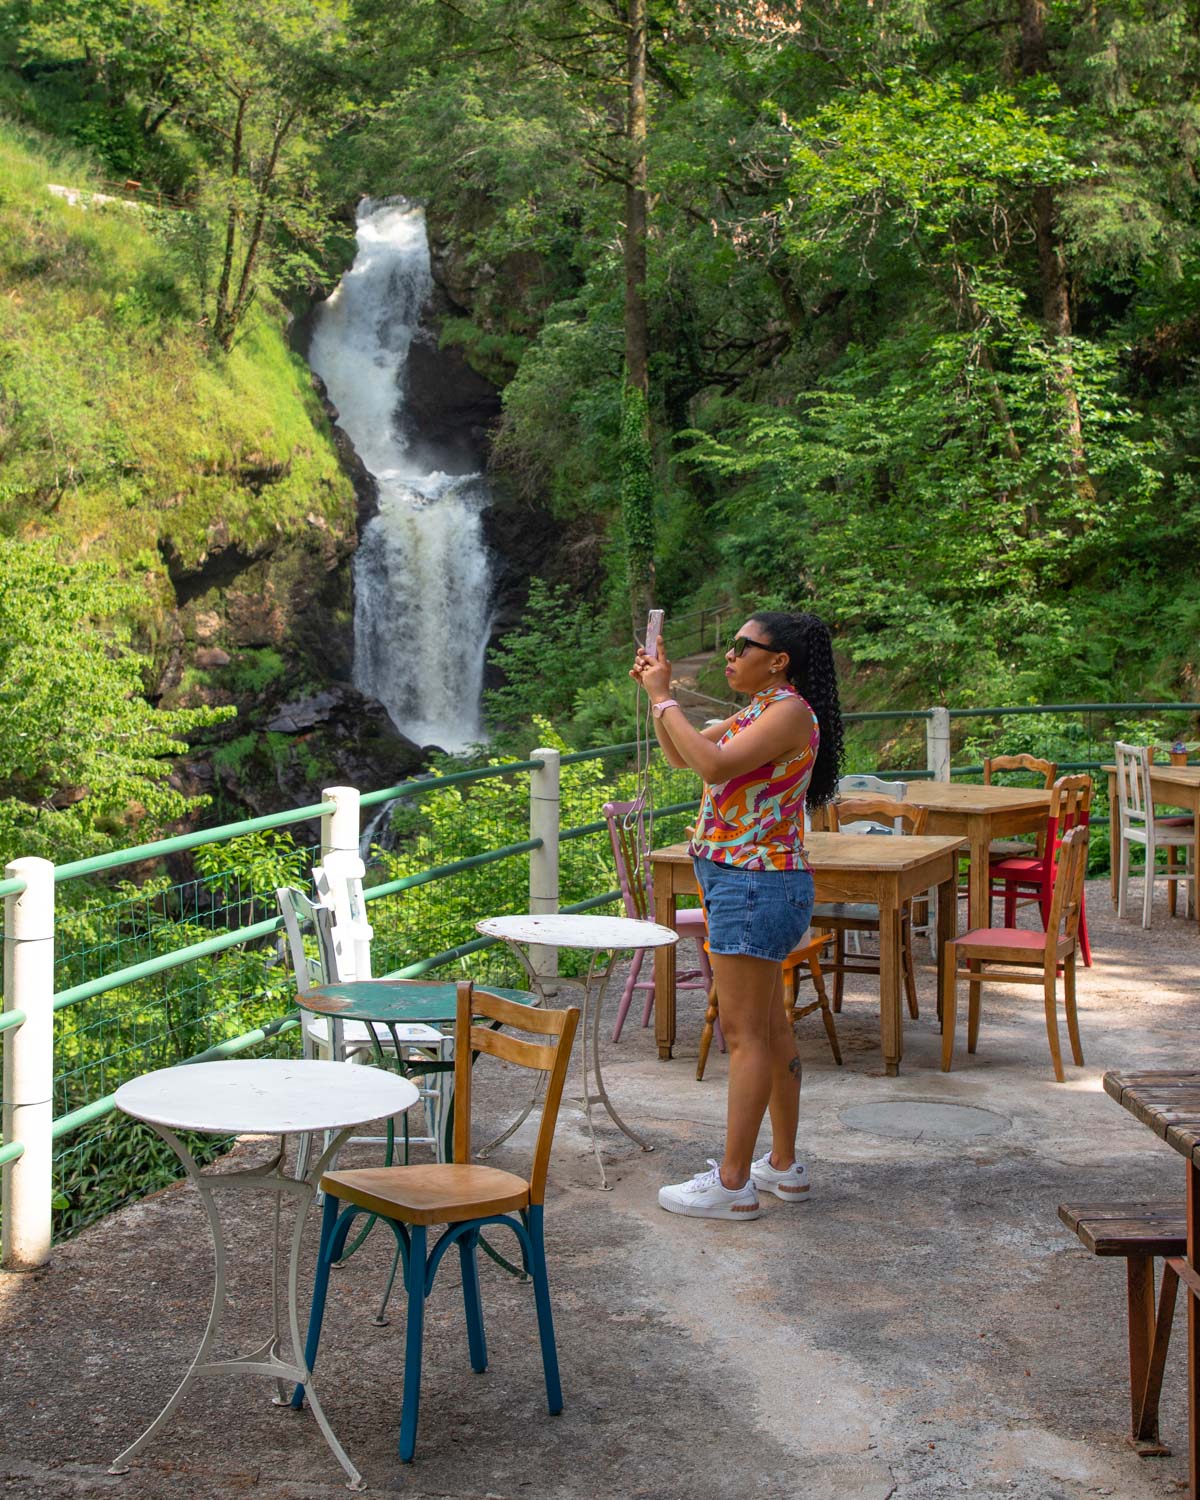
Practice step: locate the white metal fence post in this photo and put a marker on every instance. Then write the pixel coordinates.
(29, 1065)
(340, 828)
(937, 743)
(544, 811)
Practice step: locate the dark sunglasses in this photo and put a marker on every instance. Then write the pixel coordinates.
(740, 642)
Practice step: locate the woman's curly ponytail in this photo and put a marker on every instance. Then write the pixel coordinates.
(812, 673)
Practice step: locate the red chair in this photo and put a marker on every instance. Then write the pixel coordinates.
(1032, 879)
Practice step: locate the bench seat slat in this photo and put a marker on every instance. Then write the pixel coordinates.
(1127, 1229)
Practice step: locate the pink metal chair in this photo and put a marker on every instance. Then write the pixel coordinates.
(627, 830)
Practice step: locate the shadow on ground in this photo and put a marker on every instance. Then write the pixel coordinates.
(923, 1328)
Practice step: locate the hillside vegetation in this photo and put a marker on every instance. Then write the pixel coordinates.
(889, 310)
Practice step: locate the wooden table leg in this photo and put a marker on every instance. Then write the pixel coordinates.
(664, 966)
(1139, 1297)
(979, 884)
(1192, 887)
(1114, 836)
(891, 1022)
(947, 929)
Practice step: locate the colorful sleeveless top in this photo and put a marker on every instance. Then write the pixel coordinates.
(756, 820)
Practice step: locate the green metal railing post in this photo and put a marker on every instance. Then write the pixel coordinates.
(937, 743)
(29, 1065)
(544, 818)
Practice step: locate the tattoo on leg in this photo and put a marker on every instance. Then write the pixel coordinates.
(796, 1067)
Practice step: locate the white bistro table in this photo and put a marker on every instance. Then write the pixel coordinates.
(267, 1096)
(599, 936)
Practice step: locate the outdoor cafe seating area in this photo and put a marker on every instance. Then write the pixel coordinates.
(935, 1322)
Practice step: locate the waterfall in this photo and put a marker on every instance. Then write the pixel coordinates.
(422, 584)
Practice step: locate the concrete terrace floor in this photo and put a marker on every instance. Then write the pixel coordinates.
(924, 1328)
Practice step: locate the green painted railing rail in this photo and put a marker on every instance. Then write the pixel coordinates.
(453, 778)
(1072, 708)
(442, 872)
(14, 1151)
(11, 887)
(219, 835)
(11, 1018)
(176, 959)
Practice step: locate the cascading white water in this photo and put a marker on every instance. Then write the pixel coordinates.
(422, 584)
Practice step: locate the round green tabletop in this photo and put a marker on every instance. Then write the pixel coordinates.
(396, 1000)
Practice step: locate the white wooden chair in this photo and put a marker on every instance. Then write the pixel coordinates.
(352, 1041)
(1138, 825)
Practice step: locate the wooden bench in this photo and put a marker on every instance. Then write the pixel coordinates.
(1138, 1232)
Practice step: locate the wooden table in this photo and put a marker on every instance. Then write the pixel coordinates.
(1170, 786)
(980, 814)
(846, 867)
(1169, 1103)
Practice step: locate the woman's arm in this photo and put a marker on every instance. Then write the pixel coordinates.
(781, 730)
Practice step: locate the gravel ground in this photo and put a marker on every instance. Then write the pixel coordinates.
(924, 1328)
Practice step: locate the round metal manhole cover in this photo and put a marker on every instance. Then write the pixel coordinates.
(924, 1119)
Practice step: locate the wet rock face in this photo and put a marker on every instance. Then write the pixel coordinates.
(334, 737)
(449, 406)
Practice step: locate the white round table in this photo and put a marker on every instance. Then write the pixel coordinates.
(263, 1096)
(597, 935)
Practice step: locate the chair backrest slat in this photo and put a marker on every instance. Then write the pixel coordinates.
(901, 817)
(550, 1057)
(298, 913)
(1066, 904)
(1133, 781)
(627, 833)
(856, 782)
(1046, 769)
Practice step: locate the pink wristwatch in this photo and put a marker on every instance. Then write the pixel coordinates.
(661, 708)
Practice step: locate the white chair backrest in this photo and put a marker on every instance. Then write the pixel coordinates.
(1133, 782)
(339, 882)
(848, 785)
(876, 785)
(298, 913)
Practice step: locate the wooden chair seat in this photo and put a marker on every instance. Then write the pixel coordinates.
(1137, 1232)
(1004, 938)
(1017, 868)
(856, 915)
(432, 1193)
(1011, 849)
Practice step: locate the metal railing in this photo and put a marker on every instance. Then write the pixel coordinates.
(562, 861)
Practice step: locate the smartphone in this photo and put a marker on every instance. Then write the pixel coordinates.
(654, 625)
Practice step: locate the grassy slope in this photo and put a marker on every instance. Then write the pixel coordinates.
(119, 427)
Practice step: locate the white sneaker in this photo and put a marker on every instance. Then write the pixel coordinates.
(791, 1184)
(707, 1197)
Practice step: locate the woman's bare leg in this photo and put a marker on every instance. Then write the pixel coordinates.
(748, 990)
(784, 1103)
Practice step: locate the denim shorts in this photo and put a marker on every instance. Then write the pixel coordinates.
(761, 913)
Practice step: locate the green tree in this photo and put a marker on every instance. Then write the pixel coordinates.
(84, 758)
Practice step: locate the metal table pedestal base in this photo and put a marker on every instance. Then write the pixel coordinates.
(268, 1359)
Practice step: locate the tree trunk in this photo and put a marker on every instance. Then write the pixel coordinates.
(1052, 270)
(246, 284)
(636, 488)
(232, 219)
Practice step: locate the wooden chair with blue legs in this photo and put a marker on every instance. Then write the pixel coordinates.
(459, 1194)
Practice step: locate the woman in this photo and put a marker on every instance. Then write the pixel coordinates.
(758, 767)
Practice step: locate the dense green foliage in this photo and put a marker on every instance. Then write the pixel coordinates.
(84, 759)
(921, 292)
